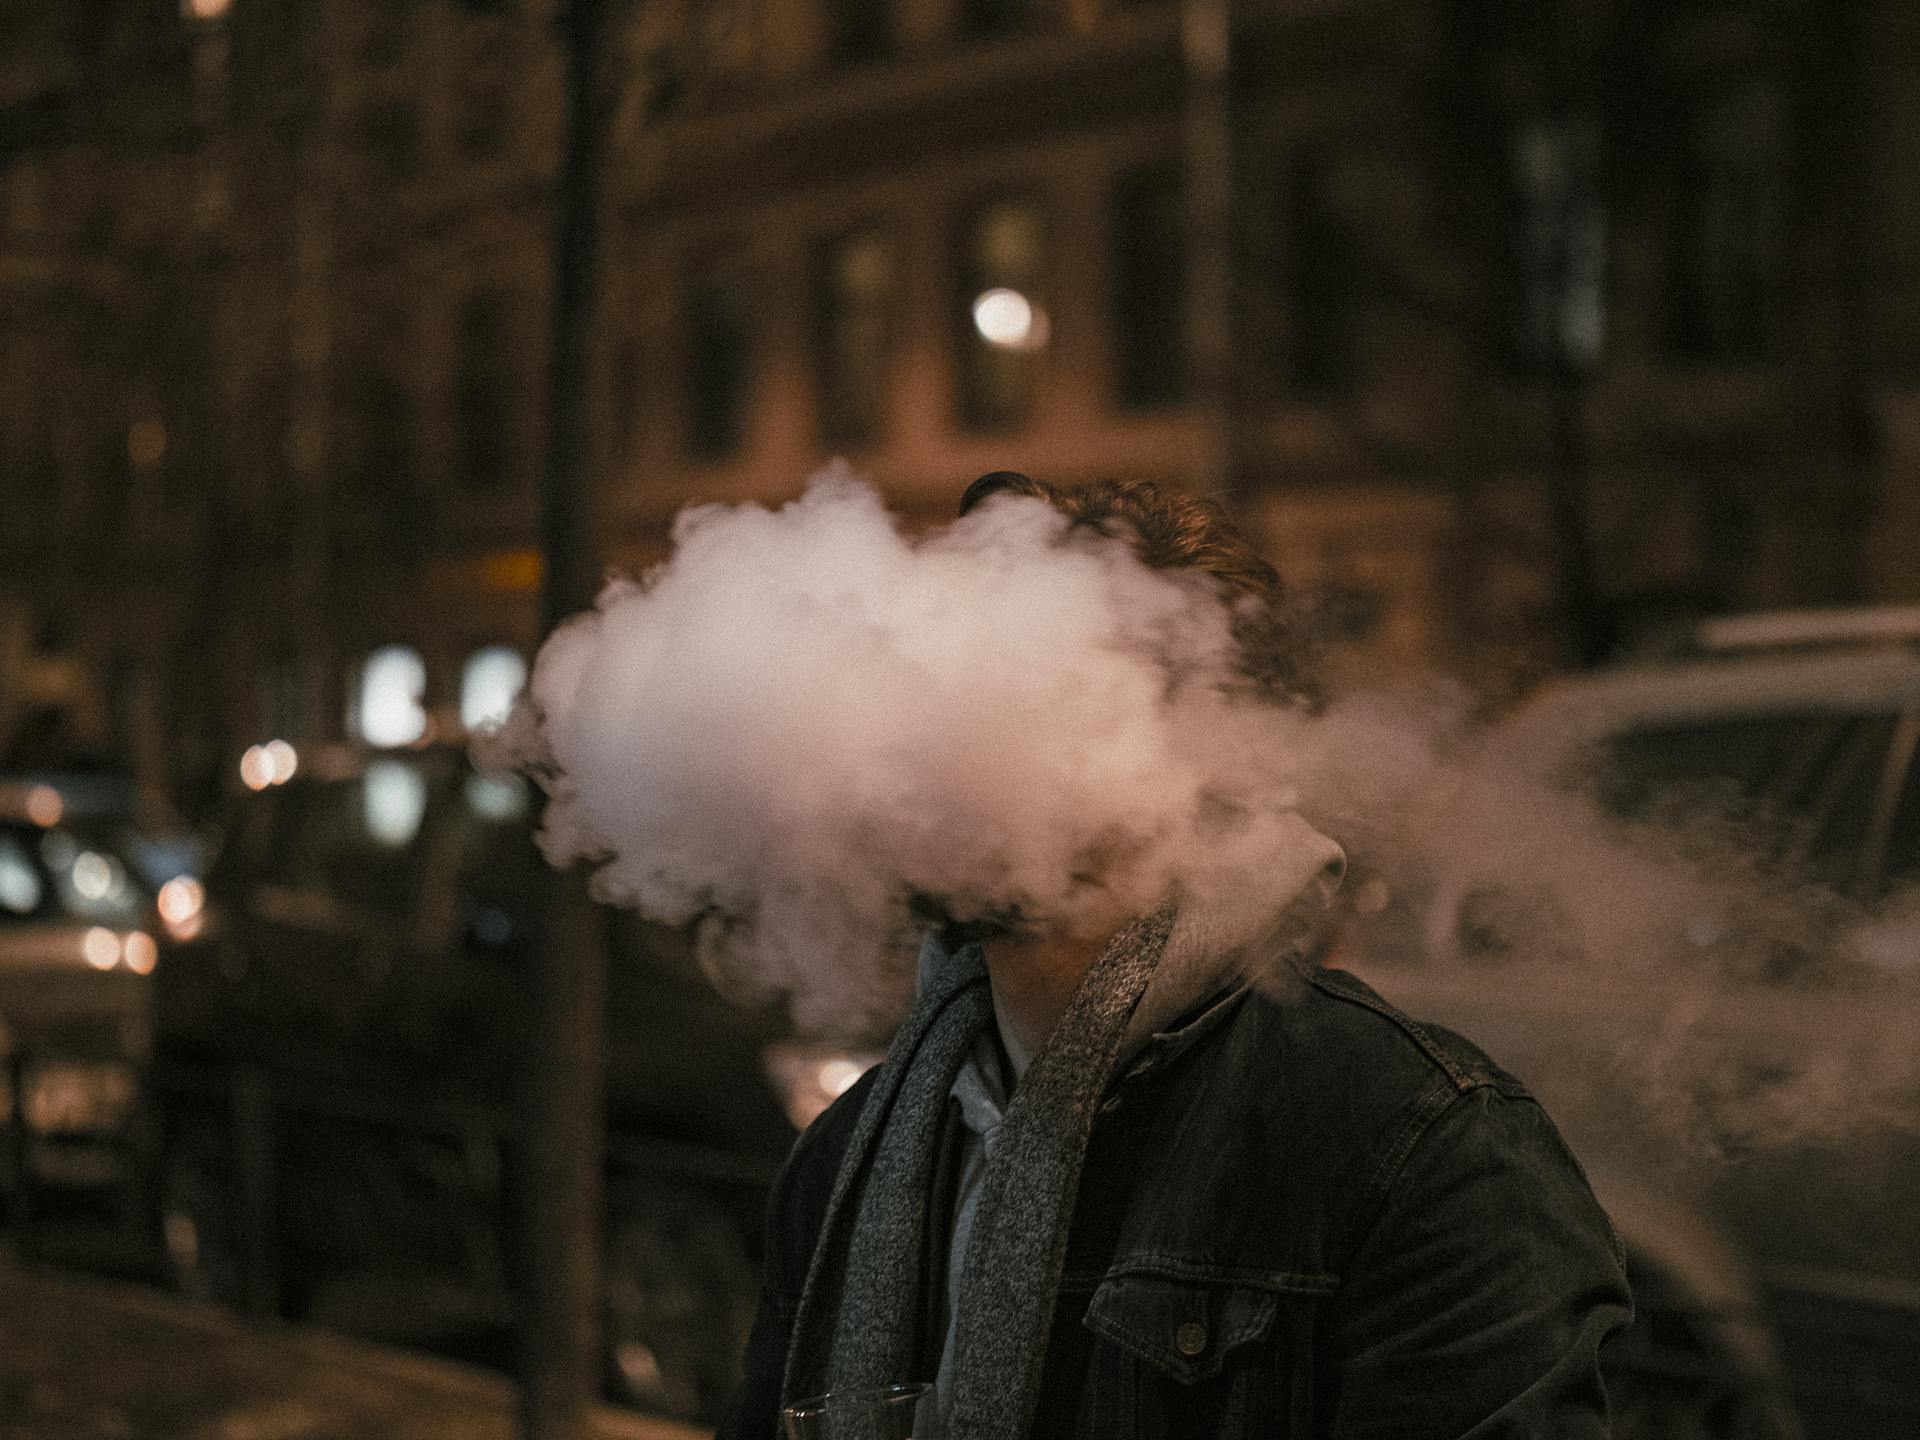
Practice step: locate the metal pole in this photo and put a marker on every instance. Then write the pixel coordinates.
(251, 1113)
(310, 318)
(1589, 625)
(571, 571)
(564, 1129)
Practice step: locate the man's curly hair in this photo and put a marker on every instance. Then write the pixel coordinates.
(1171, 530)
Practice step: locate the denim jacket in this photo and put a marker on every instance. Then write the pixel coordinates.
(1299, 1216)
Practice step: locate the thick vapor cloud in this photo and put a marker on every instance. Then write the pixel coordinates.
(806, 725)
(809, 732)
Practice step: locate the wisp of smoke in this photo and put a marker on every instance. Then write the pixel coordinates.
(807, 728)
(1659, 964)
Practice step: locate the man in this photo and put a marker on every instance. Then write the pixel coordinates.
(1172, 1180)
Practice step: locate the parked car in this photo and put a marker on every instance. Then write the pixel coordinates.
(338, 1054)
(76, 951)
(1780, 1276)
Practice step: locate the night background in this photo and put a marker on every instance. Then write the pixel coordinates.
(346, 344)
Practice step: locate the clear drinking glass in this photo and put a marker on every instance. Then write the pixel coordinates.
(888, 1412)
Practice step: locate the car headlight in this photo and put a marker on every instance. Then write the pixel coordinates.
(105, 949)
(182, 904)
(811, 1080)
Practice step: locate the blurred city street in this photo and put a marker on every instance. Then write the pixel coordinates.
(1560, 357)
(88, 1359)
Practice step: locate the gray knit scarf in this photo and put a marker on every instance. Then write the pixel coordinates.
(855, 1324)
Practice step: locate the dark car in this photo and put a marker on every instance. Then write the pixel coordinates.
(339, 1048)
(76, 953)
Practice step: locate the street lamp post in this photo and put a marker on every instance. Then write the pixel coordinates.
(563, 1114)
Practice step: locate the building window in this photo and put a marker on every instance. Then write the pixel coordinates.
(629, 370)
(855, 278)
(1323, 278)
(486, 108)
(389, 137)
(380, 453)
(388, 708)
(383, 36)
(376, 459)
(1150, 286)
(1001, 315)
(1727, 238)
(1557, 307)
(483, 393)
(982, 18)
(489, 684)
(719, 356)
(860, 30)
(28, 455)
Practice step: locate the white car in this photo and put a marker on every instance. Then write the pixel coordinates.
(1731, 1056)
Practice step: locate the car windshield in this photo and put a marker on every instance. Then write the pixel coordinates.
(1835, 797)
(357, 840)
(58, 873)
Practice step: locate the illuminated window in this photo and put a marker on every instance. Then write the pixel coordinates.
(394, 799)
(484, 391)
(392, 686)
(1001, 318)
(1149, 279)
(854, 288)
(489, 685)
(1557, 310)
(719, 354)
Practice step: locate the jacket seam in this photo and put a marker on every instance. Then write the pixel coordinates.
(1433, 1103)
(1461, 1079)
(1155, 1265)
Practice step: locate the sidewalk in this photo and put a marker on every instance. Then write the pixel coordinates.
(85, 1359)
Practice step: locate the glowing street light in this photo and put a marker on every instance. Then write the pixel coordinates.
(181, 902)
(101, 947)
(256, 769)
(281, 760)
(1008, 320)
(205, 10)
(138, 952)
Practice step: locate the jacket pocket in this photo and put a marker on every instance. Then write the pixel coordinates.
(1193, 1359)
(1184, 1329)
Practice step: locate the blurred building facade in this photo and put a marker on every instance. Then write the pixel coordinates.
(1390, 279)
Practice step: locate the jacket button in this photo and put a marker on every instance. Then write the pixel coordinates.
(1191, 1338)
